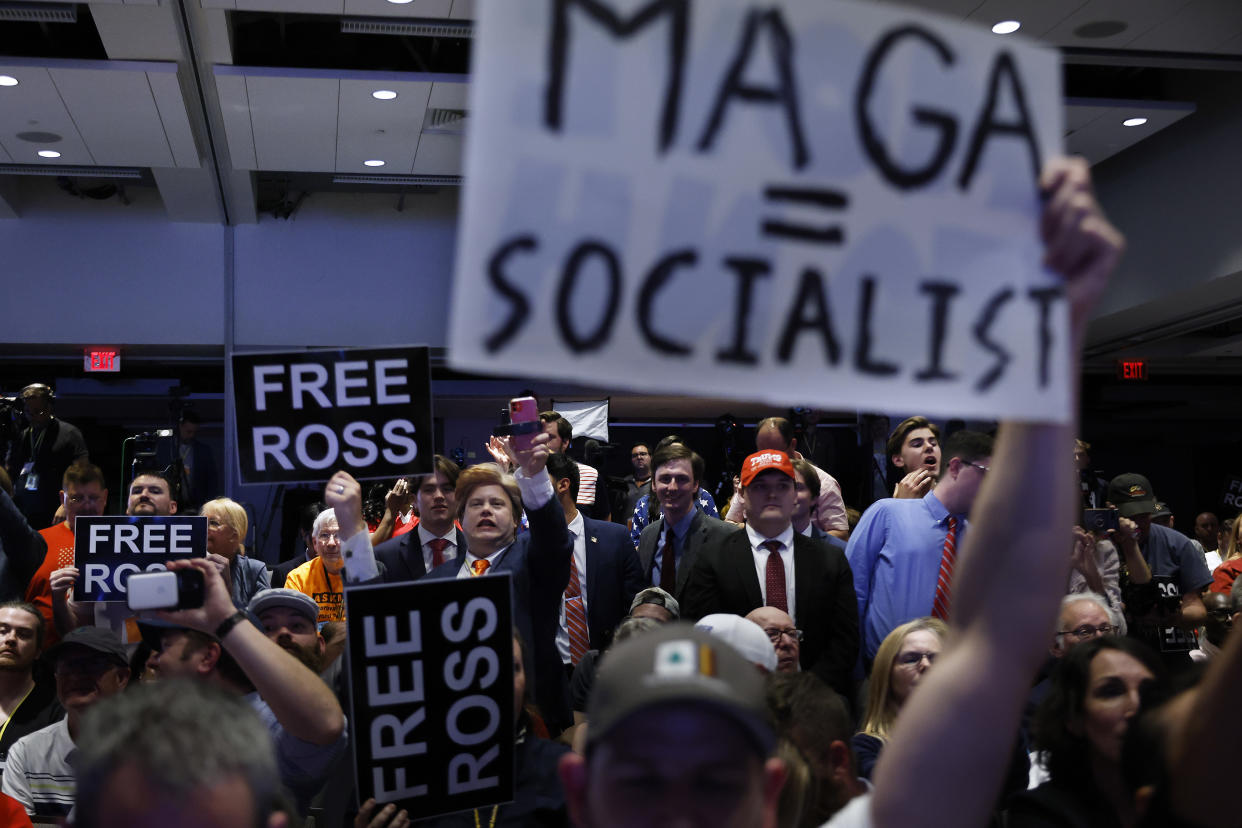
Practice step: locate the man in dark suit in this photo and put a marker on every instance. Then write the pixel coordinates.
(605, 567)
(806, 495)
(676, 473)
(769, 565)
(489, 506)
(436, 538)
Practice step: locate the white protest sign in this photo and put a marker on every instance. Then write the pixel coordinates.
(805, 202)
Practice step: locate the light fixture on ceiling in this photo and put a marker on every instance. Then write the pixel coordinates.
(1006, 27)
(8, 80)
(400, 2)
(383, 94)
(374, 162)
(49, 154)
(1134, 122)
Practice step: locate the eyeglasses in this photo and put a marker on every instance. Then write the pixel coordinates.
(982, 469)
(774, 634)
(913, 658)
(1088, 631)
(327, 537)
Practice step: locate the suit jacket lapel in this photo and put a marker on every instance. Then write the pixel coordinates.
(413, 557)
(593, 562)
(806, 573)
(646, 550)
(738, 546)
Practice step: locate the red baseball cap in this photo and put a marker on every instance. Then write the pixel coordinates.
(761, 461)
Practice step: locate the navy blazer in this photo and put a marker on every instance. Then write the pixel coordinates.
(538, 563)
(613, 577)
(724, 580)
(831, 540)
(403, 555)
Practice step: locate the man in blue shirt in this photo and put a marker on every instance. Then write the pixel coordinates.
(897, 549)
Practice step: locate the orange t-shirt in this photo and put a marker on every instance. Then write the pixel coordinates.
(39, 591)
(313, 579)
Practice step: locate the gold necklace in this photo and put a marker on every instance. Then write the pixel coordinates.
(491, 823)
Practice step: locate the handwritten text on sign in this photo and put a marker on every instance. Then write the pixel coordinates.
(806, 202)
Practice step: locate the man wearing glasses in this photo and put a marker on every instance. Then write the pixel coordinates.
(1084, 616)
(903, 550)
(786, 639)
(769, 565)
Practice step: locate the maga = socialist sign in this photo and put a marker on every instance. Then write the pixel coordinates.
(831, 204)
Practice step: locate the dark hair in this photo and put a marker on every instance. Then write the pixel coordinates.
(446, 467)
(226, 665)
(564, 428)
(678, 451)
(40, 626)
(668, 440)
(190, 416)
(1068, 756)
(642, 443)
(780, 424)
(561, 467)
(82, 473)
(157, 473)
(897, 438)
(967, 446)
(809, 476)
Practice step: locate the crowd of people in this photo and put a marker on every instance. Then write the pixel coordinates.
(975, 649)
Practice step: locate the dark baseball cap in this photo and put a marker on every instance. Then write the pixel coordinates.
(678, 664)
(1132, 495)
(658, 597)
(93, 638)
(290, 599)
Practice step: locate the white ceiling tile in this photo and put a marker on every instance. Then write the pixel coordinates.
(133, 32)
(173, 116)
(438, 155)
(34, 105)
(293, 6)
(1138, 15)
(141, 2)
(4, 154)
(1105, 135)
(1199, 25)
(449, 94)
(116, 115)
(219, 4)
(462, 10)
(294, 122)
(952, 8)
(429, 9)
(385, 130)
(235, 112)
(1036, 18)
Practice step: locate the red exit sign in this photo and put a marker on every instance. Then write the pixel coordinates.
(102, 359)
(1131, 369)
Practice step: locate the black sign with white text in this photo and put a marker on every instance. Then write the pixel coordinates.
(432, 717)
(107, 550)
(302, 415)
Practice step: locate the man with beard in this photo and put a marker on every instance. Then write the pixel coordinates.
(25, 705)
(90, 664)
(288, 617)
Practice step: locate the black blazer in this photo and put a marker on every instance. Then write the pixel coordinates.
(613, 577)
(724, 580)
(403, 555)
(538, 561)
(704, 531)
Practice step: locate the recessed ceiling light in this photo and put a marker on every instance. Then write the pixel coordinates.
(8, 80)
(1134, 122)
(49, 154)
(1006, 27)
(383, 94)
(400, 2)
(375, 162)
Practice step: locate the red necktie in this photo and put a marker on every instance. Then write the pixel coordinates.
(438, 545)
(774, 576)
(668, 562)
(944, 583)
(478, 566)
(575, 615)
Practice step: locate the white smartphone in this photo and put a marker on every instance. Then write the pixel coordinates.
(182, 589)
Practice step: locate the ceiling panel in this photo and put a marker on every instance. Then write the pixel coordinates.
(449, 94)
(438, 155)
(952, 8)
(116, 116)
(294, 122)
(1100, 132)
(379, 130)
(34, 105)
(1199, 25)
(1139, 16)
(435, 9)
(235, 112)
(462, 10)
(293, 6)
(168, 99)
(1036, 18)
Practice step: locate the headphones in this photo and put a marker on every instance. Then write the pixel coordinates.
(40, 389)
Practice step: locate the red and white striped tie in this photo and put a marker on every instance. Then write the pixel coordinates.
(575, 615)
(944, 583)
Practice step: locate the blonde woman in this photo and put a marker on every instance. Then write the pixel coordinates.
(226, 532)
(903, 657)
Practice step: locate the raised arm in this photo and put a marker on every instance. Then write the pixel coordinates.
(961, 723)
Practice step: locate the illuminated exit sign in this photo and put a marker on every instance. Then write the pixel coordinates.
(1131, 369)
(102, 359)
